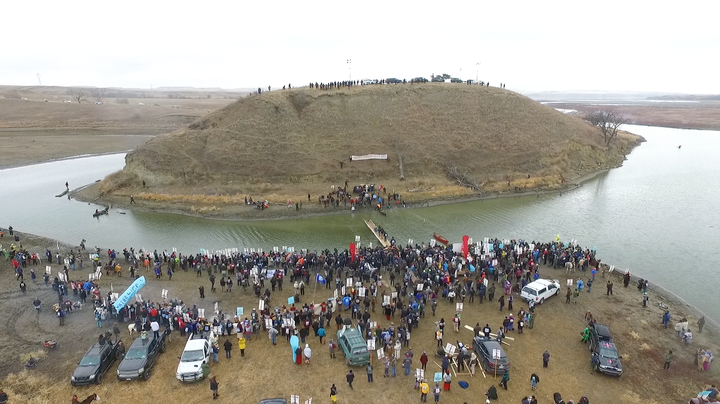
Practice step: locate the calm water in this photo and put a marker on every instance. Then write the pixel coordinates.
(656, 215)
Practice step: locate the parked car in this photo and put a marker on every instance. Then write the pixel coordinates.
(93, 365)
(196, 353)
(366, 82)
(140, 358)
(485, 347)
(419, 80)
(393, 80)
(455, 80)
(604, 350)
(354, 347)
(540, 290)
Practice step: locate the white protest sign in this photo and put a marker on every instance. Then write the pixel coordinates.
(335, 293)
(201, 313)
(496, 354)
(419, 374)
(62, 277)
(268, 323)
(48, 270)
(380, 354)
(361, 292)
(458, 307)
(164, 293)
(308, 401)
(216, 307)
(393, 295)
(371, 344)
(349, 282)
(450, 349)
(115, 296)
(342, 290)
(294, 399)
(386, 300)
(569, 283)
(138, 298)
(420, 287)
(373, 325)
(261, 304)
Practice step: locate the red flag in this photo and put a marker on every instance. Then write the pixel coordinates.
(465, 248)
(352, 252)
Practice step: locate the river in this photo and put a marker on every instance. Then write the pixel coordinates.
(656, 215)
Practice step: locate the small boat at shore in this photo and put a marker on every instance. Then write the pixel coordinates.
(65, 192)
(440, 239)
(101, 212)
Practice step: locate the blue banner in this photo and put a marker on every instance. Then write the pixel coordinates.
(129, 293)
(319, 279)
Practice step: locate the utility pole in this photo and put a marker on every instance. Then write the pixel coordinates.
(349, 63)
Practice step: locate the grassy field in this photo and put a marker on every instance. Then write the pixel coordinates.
(268, 371)
(283, 145)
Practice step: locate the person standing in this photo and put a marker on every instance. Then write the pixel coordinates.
(214, 387)
(447, 380)
(436, 392)
(534, 380)
(215, 352)
(307, 352)
(666, 318)
(424, 360)
(349, 377)
(228, 348)
(701, 324)
(424, 390)
(406, 364)
(333, 393)
(546, 358)
(568, 295)
(201, 289)
(502, 302)
(668, 359)
(505, 379)
(369, 370)
(241, 344)
(609, 288)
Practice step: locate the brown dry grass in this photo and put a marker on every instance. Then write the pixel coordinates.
(701, 115)
(267, 370)
(286, 144)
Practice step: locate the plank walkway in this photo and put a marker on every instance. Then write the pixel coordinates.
(385, 243)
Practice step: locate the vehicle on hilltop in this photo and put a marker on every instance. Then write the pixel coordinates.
(140, 357)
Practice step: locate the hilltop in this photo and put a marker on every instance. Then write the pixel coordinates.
(445, 140)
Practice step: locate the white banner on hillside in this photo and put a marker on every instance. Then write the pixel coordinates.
(369, 157)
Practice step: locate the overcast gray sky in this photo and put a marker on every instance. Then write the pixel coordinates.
(608, 45)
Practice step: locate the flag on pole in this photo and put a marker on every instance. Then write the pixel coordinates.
(320, 279)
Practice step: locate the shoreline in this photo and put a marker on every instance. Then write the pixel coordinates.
(85, 193)
(660, 293)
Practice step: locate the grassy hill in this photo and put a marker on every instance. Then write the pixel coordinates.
(294, 141)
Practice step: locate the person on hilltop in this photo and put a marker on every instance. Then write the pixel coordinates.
(701, 324)
(626, 279)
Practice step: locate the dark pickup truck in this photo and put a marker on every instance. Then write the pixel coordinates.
(95, 363)
(141, 357)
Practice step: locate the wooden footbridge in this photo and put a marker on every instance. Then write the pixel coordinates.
(380, 237)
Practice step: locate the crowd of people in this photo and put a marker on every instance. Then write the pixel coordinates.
(398, 283)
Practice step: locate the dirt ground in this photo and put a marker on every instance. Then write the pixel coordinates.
(268, 371)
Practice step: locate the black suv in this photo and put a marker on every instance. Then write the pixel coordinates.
(604, 351)
(140, 358)
(95, 363)
(491, 354)
(393, 80)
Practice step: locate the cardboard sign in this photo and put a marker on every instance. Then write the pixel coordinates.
(201, 313)
(348, 282)
(373, 325)
(569, 283)
(419, 374)
(268, 323)
(420, 287)
(380, 354)
(393, 295)
(496, 354)
(458, 307)
(239, 311)
(386, 300)
(294, 399)
(361, 292)
(371, 344)
(164, 293)
(261, 304)
(48, 270)
(291, 300)
(450, 349)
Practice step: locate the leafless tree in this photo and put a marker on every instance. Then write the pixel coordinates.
(608, 122)
(79, 96)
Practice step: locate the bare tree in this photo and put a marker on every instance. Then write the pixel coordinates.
(79, 96)
(608, 122)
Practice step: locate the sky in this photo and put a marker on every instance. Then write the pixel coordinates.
(554, 45)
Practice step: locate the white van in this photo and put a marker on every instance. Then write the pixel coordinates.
(196, 353)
